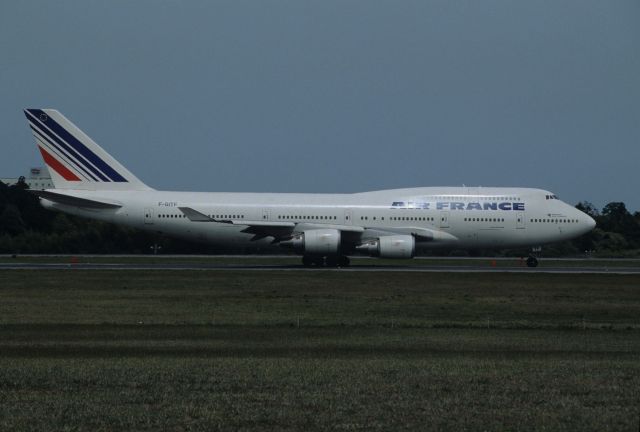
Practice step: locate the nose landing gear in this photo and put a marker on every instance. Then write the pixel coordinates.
(532, 261)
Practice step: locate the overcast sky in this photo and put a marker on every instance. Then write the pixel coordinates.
(336, 96)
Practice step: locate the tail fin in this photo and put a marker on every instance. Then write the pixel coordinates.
(75, 161)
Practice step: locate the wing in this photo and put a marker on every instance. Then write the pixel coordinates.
(261, 229)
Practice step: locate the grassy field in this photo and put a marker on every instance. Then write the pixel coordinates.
(232, 350)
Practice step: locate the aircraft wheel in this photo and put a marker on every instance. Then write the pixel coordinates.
(343, 261)
(318, 261)
(532, 262)
(307, 261)
(332, 261)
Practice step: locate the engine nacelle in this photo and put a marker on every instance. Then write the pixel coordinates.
(396, 246)
(315, 242)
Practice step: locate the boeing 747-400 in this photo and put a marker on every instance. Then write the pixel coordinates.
(323, 228)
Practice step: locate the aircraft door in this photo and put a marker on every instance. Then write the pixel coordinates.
(148, 216)
(444, 219)
(265, 214)
(348, 216)
(519, 220)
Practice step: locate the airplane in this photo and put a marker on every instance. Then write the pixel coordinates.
(324, 228)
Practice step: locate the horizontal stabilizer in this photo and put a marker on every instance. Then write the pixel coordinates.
(74, 201)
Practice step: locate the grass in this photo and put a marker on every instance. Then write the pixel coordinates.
(210, 350)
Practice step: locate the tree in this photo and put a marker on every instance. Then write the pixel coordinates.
(616, 218)
(62, 223)
(588, 208)
(11, 221)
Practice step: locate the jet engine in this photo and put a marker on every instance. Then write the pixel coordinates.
(315, 242)
(395, 246)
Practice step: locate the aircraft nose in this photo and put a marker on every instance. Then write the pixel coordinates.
(587, 223)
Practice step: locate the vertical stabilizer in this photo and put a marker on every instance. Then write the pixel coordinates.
(74, 160)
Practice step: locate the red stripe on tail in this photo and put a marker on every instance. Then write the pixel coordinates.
(57, 166)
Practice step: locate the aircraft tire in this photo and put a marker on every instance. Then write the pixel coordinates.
(318, 261)
(532, 262)
(343, 261)
(332, 261)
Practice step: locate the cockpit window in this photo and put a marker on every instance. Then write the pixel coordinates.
(549, 197)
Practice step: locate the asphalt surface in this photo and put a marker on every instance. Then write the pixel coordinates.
(465, 267)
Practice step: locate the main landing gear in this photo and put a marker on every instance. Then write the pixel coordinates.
(328, 261)
(532, 261)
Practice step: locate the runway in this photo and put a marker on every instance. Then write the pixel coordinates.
(466, 268)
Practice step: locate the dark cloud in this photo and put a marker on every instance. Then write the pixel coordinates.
(333, 96)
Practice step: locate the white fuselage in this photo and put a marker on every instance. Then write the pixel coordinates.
(453, 217)
(324, 228)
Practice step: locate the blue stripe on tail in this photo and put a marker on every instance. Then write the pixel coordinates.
(62, 145)
(66, 152)
(77, 145)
